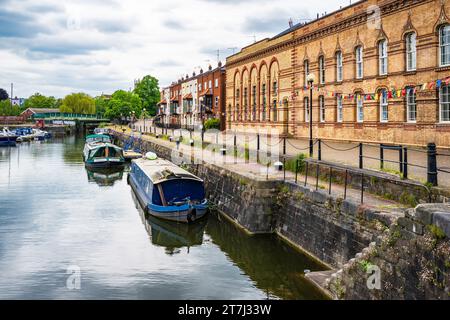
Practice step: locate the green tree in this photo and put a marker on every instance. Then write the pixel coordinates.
(122, 104)
(37, 100)
(148, 90)
(3, 94)
(7, 110)
(80, 103)
(100, 105)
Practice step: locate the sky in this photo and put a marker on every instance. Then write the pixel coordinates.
(57, 47)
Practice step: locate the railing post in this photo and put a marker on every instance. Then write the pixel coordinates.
(405, 163)
(361, 155)
(400, 158)
(381, 157)
(284, 146)
(257, 142)
(319, 151)
(432, 165)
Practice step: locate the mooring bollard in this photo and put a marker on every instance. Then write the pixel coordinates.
(223, 151)
(431, 164)
(191, 142)
(278, 165)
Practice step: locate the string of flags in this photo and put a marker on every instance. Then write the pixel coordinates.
(386, 94)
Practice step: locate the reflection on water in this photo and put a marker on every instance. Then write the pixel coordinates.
(54, 214)
(104, 177)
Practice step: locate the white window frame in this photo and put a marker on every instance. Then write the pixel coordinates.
(384, 106)
(383, 57)
(359, 62)
(306, 105)
(444, 102)
(210, 84)
(339, 67)
(322, 70)
(411, 51)
(216, 83)
(411, 103)
(322, 108)
(339, 108)
(444, 46)
(359, 108)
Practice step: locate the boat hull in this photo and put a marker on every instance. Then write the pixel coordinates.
(8, 141)
(186, 213)
(105, 164)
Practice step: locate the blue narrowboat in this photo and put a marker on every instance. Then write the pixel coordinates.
(167, 191)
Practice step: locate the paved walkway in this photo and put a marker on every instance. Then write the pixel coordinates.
(258, 171)
(335, 151)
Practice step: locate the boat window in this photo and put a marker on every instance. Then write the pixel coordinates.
(100, 153)
(180, 189)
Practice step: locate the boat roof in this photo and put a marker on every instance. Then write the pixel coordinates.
(103, 136)
(161, 170)
(98, 144)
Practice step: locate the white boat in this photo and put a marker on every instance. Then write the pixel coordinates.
(7, 138)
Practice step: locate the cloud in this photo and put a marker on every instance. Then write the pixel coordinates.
(19, 25)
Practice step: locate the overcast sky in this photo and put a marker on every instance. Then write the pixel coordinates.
(57, 47)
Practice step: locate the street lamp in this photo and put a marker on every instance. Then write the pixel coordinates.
(143, 113)
(310, 79)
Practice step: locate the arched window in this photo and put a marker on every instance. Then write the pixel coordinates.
(444, 45)
(411, 107)
(411, 51)
(359, 107)
(254, 103)
(444, 103)
(321, 70)
(339, 108)
(306, 105)
(359, 62)
(245, 103)
(382, 57)
(384, 113)
(339, 66)
(322, 108)
(275, 111)
(306, 70)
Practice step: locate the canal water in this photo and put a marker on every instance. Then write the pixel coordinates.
(66, 233)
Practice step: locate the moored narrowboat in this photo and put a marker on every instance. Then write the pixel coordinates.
(167, 191)
(99, 152)
(7, 138)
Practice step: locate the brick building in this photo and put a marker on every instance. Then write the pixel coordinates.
(381, 72)
(193, 99)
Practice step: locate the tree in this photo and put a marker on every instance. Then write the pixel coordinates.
(7, 110)
(148, 90)
(37, 100)
(122, 104)
(3, 94)
(80, 103)
(100, 105)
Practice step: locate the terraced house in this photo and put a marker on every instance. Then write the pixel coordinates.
(192, 100)
(381, 70)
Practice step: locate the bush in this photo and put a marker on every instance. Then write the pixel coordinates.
(291, 163)
(212, 124)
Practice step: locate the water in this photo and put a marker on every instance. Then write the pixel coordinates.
(63, 228)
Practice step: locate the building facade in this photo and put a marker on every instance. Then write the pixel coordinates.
(194, 99)
(381, 72)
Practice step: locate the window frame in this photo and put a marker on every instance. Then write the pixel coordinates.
(359, 62)
(411, 51)
(339, 109)
(382, 105)
(322, 110)
(359, 108)
(382, 57)
(306, 71)
(441, 103)
(442, 46)
(339, 67)
(306, 106)
(321, 69)
(409, 105)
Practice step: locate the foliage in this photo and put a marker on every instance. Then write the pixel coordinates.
(437, 232)
(80, 103)
(37, 100)
(212, 124)
(122, 103)
(7, 110)
(100, 105)
(148, 91)
(3, 94)
(291, 163)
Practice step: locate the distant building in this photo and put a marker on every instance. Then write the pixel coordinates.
(32, 113)
(18, 102)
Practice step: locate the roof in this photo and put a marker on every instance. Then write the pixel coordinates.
(161, 170)
(41, 110)
(205, 92)
(188, 96)
(98, 144)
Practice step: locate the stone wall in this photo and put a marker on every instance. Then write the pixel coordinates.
(413, 258)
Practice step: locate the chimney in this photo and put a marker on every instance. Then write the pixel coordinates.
(210, 68)
(220, 64)
(201, 71)
(193, 74)
(187, 76)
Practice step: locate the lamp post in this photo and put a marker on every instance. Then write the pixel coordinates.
(310, 79)
(143, 113)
